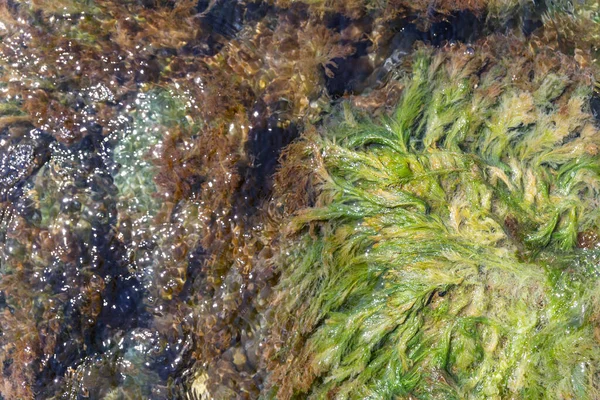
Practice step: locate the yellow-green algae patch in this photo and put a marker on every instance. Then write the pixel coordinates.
(442, 256)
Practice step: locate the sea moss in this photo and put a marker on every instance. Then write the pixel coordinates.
(440, 258)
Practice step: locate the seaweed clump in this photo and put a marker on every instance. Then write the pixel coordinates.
(438, 254)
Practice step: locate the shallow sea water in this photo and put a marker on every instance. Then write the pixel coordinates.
(140, 219)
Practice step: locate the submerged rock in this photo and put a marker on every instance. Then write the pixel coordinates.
(189, 208)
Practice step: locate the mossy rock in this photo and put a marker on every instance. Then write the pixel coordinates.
(443, 257)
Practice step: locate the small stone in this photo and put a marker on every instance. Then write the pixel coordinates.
(239, 358)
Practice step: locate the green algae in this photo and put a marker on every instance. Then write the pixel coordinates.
(155, 114)
(442, 257)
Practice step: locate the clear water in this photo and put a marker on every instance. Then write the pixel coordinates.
(138, 143)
